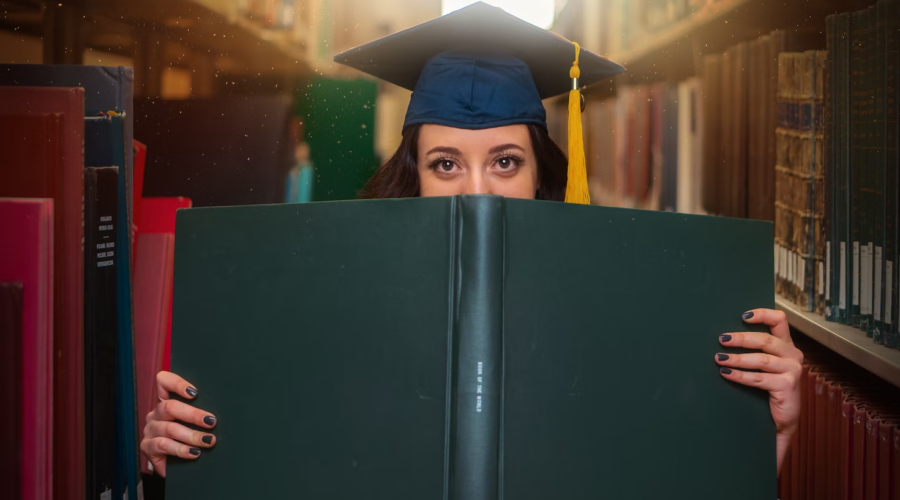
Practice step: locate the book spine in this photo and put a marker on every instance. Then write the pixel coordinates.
(857, 91)
(477, 349)
(878, 138)
(867, 175)
(892, 79)
(830, 224)
(782, 179)
(100, 252)
(817, 269)
(842, 147)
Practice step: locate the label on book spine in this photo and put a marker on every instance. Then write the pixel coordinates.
(801, 273)
(855, 273)
(864, 287)
(888, 291)
(820, 282)
(877, 309)
(842, 290)
(827, 276)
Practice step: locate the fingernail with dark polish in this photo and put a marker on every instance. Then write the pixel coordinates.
(209, 420)
(194, 451)
(725, 338)
(191, 392)
(747, 315)
(206, 439)
(722, 357)
(725, 370)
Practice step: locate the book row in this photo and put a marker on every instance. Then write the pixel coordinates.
(86, 276)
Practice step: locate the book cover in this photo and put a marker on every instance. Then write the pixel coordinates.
(105, 146)
(11, 382)
(892, 160)
(42, 128)
(462, 356)
(843, 155)
(26, 256)
(100, 327)
(877, 151)
(830, 172)
(859, 27)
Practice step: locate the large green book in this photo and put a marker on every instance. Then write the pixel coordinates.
(470, 347)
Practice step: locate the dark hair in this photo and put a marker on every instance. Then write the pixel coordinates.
(399, 176)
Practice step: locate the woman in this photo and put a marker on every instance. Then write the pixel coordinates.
(476, 125)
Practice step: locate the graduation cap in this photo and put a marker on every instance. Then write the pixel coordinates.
(480, 67)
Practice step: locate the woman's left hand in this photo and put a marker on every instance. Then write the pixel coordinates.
(781, 365)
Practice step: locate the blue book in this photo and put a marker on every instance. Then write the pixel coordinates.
(104, 145)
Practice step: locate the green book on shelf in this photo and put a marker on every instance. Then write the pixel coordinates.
(843, 122)
(892, 106)
(470, 347)
(859, 26)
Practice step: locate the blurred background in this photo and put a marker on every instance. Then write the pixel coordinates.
(785, 111)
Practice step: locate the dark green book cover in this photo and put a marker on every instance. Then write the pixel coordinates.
(831, 179)
(842, 153)
(859, 26)
(892, 79)
(879, 129)
(471, 347)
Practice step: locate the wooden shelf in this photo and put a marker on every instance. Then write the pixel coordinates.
(237, 43)
(684, 28)
(847, 341)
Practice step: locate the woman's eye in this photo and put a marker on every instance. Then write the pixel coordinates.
(507, 163)
(446, 165)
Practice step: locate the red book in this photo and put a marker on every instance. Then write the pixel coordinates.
(38, 162)
(160, 218)
(895, 462)
(886, 489)
(140, 159)
(858, 453)
(819, 475)
(808, 452)
(873, 429)
(26, 256)
(845, 449)
(832, 423)
(11, 311)
(153, 279)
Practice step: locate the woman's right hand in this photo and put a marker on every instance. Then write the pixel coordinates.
(164, 436)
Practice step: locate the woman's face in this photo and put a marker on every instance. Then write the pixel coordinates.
(497, 161)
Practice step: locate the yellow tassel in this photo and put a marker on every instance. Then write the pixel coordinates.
(576, 185)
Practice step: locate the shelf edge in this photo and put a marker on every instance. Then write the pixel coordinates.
(847, 341)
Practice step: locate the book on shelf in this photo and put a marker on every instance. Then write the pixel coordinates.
(26, 257)
(105, 145)
(11, 382)
(100, 327)
(153, 275)
(42, 136)
(463, 316)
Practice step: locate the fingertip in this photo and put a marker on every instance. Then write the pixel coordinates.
(190, 391)
(720, 357)
(725, 337)
(748, 315)
(725, 370)
(195, 452)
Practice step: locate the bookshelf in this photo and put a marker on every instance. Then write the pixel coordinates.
(229, 41)
(849, 342)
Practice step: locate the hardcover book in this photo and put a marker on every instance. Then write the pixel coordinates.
(470, 347)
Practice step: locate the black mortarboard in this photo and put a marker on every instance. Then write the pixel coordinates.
(480, 67)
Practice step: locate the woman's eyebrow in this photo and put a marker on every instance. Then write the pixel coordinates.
(503, 147)
(445, 149)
